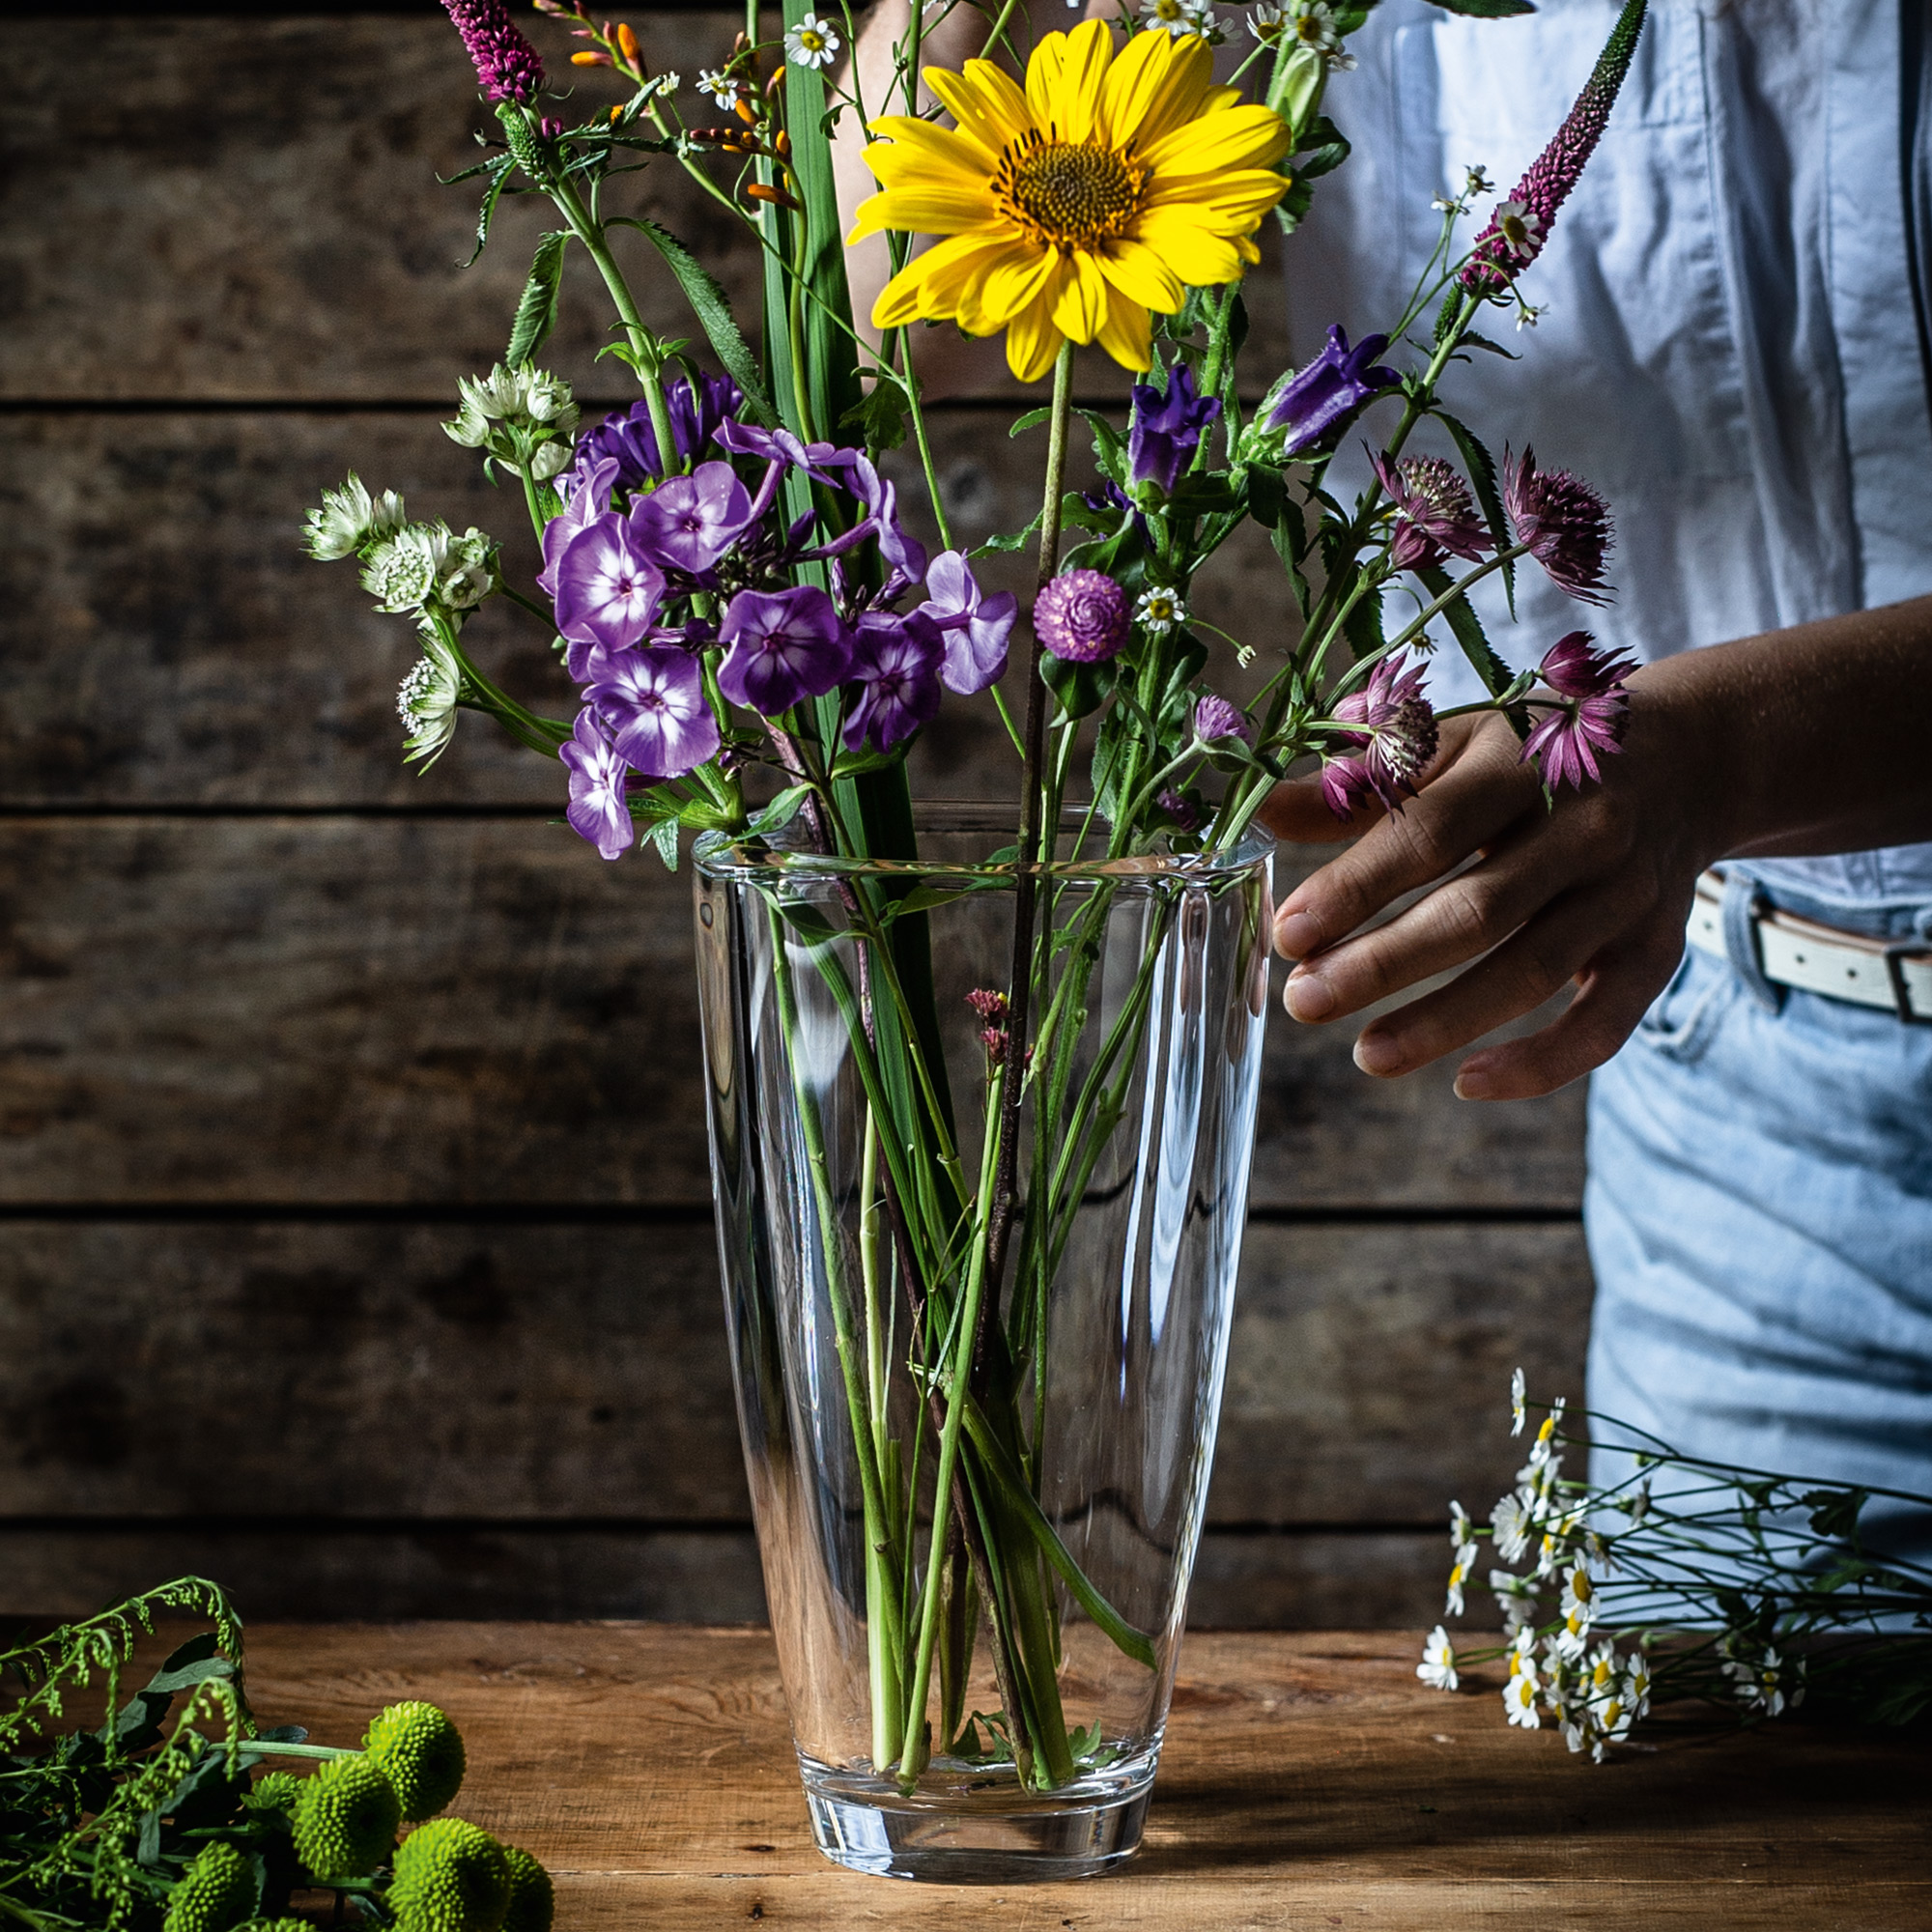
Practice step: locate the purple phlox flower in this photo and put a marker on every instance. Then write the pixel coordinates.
(587, 499)
(1082, 616)
(1325, 396)
(652, 700)
(896, 665)
(1214, 718)
(1591, 719)
(506, 64)
(1434, 514)
(778, 445)
(977, 630)
(1166, 430)
(697, 412)
(1178, 808)
(1519, 227)
(879, 498)
(597, 809)
(688, 522)
(782, 647)
(1398, 733)
(607, 589)
(1564, 522)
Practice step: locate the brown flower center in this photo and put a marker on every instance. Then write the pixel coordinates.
(1068, 194)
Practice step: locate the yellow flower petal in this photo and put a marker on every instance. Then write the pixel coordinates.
(1003, 285)
(1081, 310)
(1142, 277)
(1201, 259)
(1032, 343)
(1127, 335)
(910, 143)
(1182, 74)
(1237, 137)
(985, 100)
(1225, 202)
(929, 286)
(933, 208)
(1065, 76)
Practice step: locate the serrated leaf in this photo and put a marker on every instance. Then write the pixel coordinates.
(1487, 10)
(1467, 630)
(1031, 420)
(663, 836)
(499, 172)
(536, 309)
(1474, 341)
(1489, 493)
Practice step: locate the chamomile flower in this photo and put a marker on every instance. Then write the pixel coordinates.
(1462, 1530)
(1518, 1395)
(1520, 228)
(1516, 1597)
(1159, 610)
(1178, 18)
(1636, 1687)
(1544, 1447)
(1766, 1684)
(1453, 1603)
(813, 42)
(1512, 1522)
(719, 85)
(1438, 1668)
(1578, 1609)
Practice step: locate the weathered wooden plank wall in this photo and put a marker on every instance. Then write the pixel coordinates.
(354, 1181)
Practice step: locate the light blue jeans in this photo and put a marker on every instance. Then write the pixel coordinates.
(1759, 1214)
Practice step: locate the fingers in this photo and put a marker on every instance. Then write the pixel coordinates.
(1296, 813)
(1586, 934)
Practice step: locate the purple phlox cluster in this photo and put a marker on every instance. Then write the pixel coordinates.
(1434, 514)
(976, 630)
(1564, 522)
(698, 411)
(1082, 616)
(690, 521)
(1398, 738)
(506, 65)
(1166, 430)
(1593, 716)
(1519, 227)
(781, 647)
(608, 586)
(597, 809)
(651, 699)
(1325, 397)
(1215, 718)
(896, 665)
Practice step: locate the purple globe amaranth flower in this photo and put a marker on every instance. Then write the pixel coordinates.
(897, 664)
(1214, 718)
(506, 64)
(1521, 226)
(977, 631)
(1082, 616)
(782, 647)
(688, 522)
(1324, 398)
(1166, 430)
(1434, 514)
(597, 809)
(1397, 736)
(1564, 522)
(652, 702)
(1593, 717)
(607, 588)
(697, 411)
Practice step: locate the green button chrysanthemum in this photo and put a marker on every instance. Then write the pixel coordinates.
(276, 1925)
(450, 1877)
(215, 1894)
(420, 1753)
(346, 1819)
(276, 1791)
(533, 1898)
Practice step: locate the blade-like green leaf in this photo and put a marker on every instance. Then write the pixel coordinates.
(536, 311)
(1483, 475)
(713, 310)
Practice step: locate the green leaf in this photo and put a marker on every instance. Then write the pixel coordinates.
(1474, 341)
(1267, 496)
(499, 172)
(879, 418)
(713, 310)
(1019, 540)
(1199, 493)
(536, 310)
(663, 836)
(1487, 10)
(1489, 493)
(1031, 420)
(1081, 688)
(1834, 1512)
(1325, 147)
(779, 813)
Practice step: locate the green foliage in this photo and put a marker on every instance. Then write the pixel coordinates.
(536, 309)
(420, 1753)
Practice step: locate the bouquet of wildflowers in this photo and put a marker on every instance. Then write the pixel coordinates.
(1686, 1580)
(750, 638)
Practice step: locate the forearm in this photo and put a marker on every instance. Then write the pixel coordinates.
(1819, 736)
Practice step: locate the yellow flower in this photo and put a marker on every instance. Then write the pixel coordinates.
(1105, 190)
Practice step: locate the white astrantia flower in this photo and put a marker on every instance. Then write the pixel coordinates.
(403, 573)
(813, 42)
(1518, 1395)
(511, 413)
(426, 703)
(718, 85)
(1437, 1668)
(349, 519)
(1512, 1522)
(550, 461)
(1160, 610)
(470, 574)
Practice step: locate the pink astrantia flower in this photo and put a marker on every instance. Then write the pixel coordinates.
(1214, 718)
(1593, 714)
(1521, 226)
(506, 65)
(1564, 522)
(1082, 616)
(1398, 739)
(1435, 516)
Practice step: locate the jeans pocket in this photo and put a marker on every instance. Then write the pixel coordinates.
(1685, 1016)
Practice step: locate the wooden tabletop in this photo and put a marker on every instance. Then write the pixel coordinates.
(1309, 1781)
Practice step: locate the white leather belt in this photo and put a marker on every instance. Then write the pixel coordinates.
(1794, 951)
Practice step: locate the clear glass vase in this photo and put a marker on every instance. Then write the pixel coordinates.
(979, 1397)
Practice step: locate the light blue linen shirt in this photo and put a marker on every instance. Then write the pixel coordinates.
(1733, 345)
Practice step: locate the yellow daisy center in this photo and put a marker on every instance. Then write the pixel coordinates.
(1070, 194)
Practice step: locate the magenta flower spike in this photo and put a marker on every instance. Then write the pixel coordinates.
(977, 630)
(1399, 734)
(507, 66)
(896, 665)
(1519, 227)
(1435, 516)
(597, 809)
(782, 647)
(1564, 522)
(652, 700)
(1082, 616)
(1593, 717)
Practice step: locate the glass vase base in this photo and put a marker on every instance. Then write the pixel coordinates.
(986, 1837)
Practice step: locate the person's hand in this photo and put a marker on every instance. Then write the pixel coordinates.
(1595, 890)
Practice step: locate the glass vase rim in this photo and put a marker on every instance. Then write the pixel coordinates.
(730, 855)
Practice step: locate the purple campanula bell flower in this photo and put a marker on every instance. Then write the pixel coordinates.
(1325, 396)
(977, 630)
(607, 590)
(1166, 430)
(690, 521)
(782, 647)
(652, 700)
(597, 809)
(897, 664)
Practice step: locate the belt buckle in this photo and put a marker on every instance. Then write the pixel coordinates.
(1895, 956)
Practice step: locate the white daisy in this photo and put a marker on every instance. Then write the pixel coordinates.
(1518, 1390)
(1462, 1530)
(1180, 19)
(1452, 1605)
(1519, 228)
(1437, 1668)
(1160, 610)
(1636, 1688)
(813, 42)
(1767, 1685)
(1544, 1447)
(1510, 1520)
(1519, 1700)
(713, 83)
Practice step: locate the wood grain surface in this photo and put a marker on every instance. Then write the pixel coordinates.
(1307, 1781)
(350, 1142)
